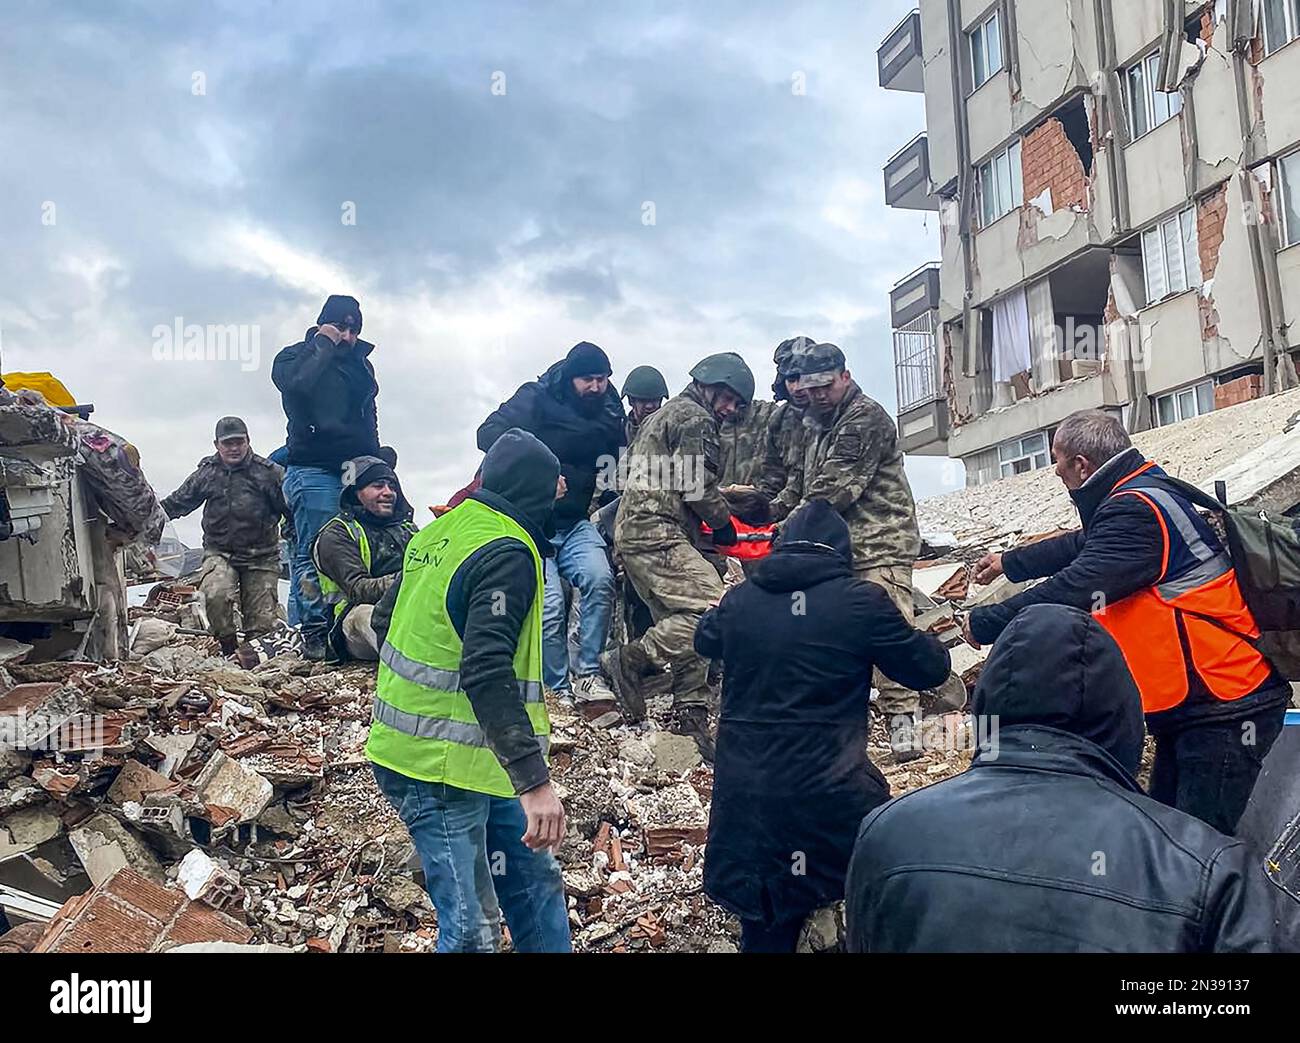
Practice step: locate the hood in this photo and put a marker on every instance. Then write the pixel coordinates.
(813, 545)
(1087, 498)
(1056, 667)
(522, 471)
(361, 471)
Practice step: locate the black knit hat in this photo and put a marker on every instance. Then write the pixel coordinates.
(586, 360)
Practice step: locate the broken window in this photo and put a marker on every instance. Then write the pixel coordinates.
(1001, 187)
(986, 49)
(1288, 177)
(1185, 403)
(1281, 23)
(1171, 256)
(1148, 106)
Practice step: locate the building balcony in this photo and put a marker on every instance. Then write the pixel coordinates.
(914, 294)
(899, 57)
(907, 177)
(922, 409)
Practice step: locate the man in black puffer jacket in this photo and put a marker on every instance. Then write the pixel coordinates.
(792, 780)
(1047, 843)
(577, 414)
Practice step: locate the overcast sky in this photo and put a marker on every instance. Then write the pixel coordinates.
(199, 163)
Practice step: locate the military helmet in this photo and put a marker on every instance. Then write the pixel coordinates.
(727, 368)
(645, 382)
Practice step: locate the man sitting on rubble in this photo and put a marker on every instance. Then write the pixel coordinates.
(1046, 843)
(792, 781)
(358, 553)
(243, 504)
(460, 732)
(1155, 575)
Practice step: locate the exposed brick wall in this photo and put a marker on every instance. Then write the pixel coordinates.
(1243, 389)
(1207, 26)
(1049, 160)
(1211, 220)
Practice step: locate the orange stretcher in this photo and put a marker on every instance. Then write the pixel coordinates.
(752, 541)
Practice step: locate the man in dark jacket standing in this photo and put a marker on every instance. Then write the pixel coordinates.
(792, 779)
(575, 411)
(1157, 577)
(242, 501)
(327, 386)
(1047, 843)
(358, 553)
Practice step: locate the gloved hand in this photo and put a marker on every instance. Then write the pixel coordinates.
(725, 536)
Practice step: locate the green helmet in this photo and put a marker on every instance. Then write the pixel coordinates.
(726, 368)
(645, 382)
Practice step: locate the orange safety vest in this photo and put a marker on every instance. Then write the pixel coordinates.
(1197, 593)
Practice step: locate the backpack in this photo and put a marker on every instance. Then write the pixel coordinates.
(1265, 551)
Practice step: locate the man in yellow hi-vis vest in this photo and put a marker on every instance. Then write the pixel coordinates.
(460, 735)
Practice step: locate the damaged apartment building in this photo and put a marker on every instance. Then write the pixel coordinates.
(1118, 193)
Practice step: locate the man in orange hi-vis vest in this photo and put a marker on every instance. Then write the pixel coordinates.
(1155, 575)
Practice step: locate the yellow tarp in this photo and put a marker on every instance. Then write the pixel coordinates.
(46, 383)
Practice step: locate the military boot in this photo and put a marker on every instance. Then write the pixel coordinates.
(626, 667)
(693, 720)
(229, 645)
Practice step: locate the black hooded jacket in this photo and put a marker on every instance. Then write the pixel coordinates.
(328, 392)
(1046, 843)
(792, 779)
(489, 598)
(550, 409)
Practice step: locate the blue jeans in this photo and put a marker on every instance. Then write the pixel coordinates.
(580, 559)
(473, 858)
(313, 496)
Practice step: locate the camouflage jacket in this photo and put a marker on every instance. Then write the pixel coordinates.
(781, 479)
(672, 478)
(855, 465)
(242, 505)
(743, 441)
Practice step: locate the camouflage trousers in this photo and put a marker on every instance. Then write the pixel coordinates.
(249, 586)
(897, 581)
(678, 586)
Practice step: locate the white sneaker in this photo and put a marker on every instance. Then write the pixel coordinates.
(592, 688)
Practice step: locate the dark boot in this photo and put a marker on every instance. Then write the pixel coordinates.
(626, 666)
(314, 646)
(693, 720)
(228, 645)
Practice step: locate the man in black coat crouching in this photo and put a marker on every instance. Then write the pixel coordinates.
(792, 779)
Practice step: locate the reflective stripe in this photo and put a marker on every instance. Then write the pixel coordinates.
(443, 680)
(1176, 511)
(459, 732)
(1204, 573)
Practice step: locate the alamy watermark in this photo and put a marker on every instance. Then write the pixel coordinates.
(50, 733)
(673, 472)
(213, 342)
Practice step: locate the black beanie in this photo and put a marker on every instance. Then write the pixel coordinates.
(341, 311)
(586, 360)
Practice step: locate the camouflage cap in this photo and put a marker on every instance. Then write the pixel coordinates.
(817, 365)
(231, 427)
(785, 352)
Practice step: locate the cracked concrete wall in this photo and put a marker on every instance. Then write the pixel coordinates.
(1138, 26)
(1288, 265)
(1172, 349)
(952, 274)
(1156, 176)
(1276, 94)
(989, 116)
(940, 121)
(1214, 96)
(1232, 291)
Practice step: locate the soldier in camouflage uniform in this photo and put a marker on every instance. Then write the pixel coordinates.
(784, 446)
(853, 462)
(243, 503)
(645, 390)
(672, 486)
(742, 440)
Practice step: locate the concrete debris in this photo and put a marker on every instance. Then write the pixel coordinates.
(149, 634)
(232, 791)
(104, 846)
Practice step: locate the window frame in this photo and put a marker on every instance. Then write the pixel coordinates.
(1042, 448)
(1013, 184)
(1290, 25)
(1288, 198)
(1148, 68)
(1175, 397)
(980, 31)
(1189, 255)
